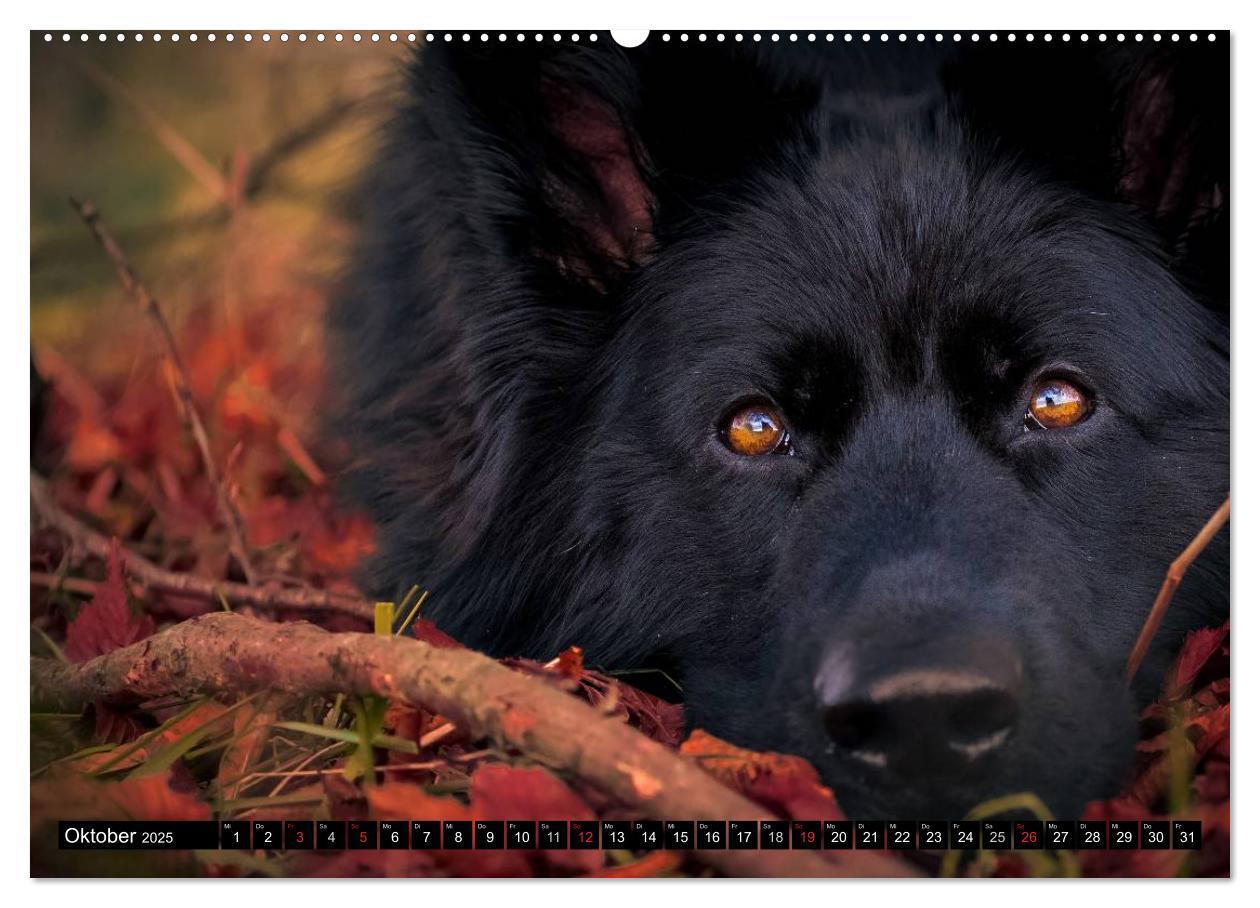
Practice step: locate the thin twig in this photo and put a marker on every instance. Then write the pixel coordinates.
(259, 169)
(339, 770)
(302, 764)
(1172, 580)
(288, 441)
(77, 585)
(179, 148)
(266, 596)
(441, 733)
(184, 397)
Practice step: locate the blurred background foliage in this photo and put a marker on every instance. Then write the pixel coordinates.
(225, 171)
(221, 168)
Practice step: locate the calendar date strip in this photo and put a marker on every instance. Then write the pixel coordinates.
(636, 835)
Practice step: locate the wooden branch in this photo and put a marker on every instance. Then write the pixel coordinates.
(266, 596)
(1172, 580)
(230, 654)
(183, 393)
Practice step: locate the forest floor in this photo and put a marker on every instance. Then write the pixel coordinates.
(184, 474)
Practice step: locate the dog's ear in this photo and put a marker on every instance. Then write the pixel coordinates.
(1146, 125)
(535, 145)
(518, 191)
(579, 151)
(596, 188)
(1174, 155)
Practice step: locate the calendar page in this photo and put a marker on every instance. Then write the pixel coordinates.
(555, 452)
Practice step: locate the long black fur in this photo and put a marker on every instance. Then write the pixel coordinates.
(890, 243)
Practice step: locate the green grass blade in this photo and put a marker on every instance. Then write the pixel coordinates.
(349, 736)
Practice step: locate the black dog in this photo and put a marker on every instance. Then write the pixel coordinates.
(868, 393)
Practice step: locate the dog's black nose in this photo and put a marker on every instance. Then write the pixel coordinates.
(934, 717)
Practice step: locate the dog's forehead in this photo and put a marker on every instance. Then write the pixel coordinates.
(878, 242)
(887, 265)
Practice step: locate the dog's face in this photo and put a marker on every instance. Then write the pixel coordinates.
(882, 450)
(896, 457)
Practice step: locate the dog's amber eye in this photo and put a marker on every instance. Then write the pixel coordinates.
(1057, 404)
(757, 429)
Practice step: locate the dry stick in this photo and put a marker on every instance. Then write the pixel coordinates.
(1172, 580)
(188, 407)
(232, 655)
(156, 578)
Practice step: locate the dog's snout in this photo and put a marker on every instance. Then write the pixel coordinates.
(929, 718)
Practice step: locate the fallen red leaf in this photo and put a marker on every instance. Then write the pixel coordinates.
(202, 715)
(507, 792)
(1200, 647)
(524, 793)
(568, 664)
(107, 622)
(783, 783)
(1189, 723)
(84, 798)
(661, 721)
(426, 630)
(251, 728)
(114, 727)
(401, 801)
(496, 792)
